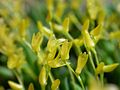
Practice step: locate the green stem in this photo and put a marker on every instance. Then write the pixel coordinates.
(77, 76)
(96, 57)
(51, 77)
(43, 87)
(102, 79)
(91, 60)
(19, 79)
(72, 77)
(30, 72)
(97, 61)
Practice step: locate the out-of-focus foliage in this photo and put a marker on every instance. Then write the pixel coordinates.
(59, 44)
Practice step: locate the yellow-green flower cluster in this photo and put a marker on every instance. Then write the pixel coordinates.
(56, 42)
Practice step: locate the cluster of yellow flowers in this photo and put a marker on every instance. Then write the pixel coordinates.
(13, 29)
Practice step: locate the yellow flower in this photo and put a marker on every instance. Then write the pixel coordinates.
(101, 68)
(65, 49)
(45, 31)
(23, 26)
(15, 86)
(52, 44)
(16, 60)
(92, 8)
(36, 41)
(55, 84)
(115, 35)
(55, 63)
(82, 60)
(75, 4)
(86, 37)
(43, 77)
(50, 4)
(109, 68)
(60, 8)
(66, 24)
(96, 32)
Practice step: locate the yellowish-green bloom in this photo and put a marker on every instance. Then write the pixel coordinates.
(23, 26)
(44, 30)
(75, 4)
(82, 60)
(60, 8)
(115, 35)
(43, 77)
(15, 86)
(109, 68)
(101, 68)
(36, 41)
(50, 4)
(65, 49)
(16, 60)
(55, 63)
(92, 8)
(55, 84)
(52, 44)
(96, 33)
(88, 42)
(66, 23)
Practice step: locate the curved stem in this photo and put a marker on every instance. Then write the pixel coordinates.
(42, 87)
(77, 76)
(51, 77)
(72, 77)
(97, 61)
(102, 79)
(91, 60)
(19, 79)
(96, 57)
